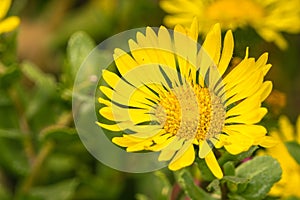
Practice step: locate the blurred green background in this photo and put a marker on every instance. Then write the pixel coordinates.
(41, 155)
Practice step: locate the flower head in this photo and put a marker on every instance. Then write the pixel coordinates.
(175, 97)
(268, 18)
(10, 23)
(290, 180)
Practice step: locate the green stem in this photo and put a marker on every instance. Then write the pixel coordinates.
(36, 166)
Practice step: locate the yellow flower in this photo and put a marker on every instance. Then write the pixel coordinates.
(290, 180)
(9, 23)
(268, 18)
(174, 97)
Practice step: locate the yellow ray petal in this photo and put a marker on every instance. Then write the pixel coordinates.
(4, 5)
(167, 51)
(110, 78)
(186, 50)
(162, 145)
(238, 143)
(253, 131)
(9, 24)
(298, 130)
(104, 101)
(245, 89)
(124, 61)
(245, 107)
(185, 159)
(250, 118)
(204, 149)
(123, 141)
(168, 152)
(265, 90)
(286, 128)
(212, 43)
(111, 127)
(213, 165)
(268, 141)
(227, 52)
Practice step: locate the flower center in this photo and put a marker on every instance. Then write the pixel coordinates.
(232, 13)
(191, 112)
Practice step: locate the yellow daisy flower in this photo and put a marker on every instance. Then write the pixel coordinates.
(172, 96)
(10, 23)
(290, 180)
(268, 18)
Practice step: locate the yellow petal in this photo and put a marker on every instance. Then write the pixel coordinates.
(204, 149)
(186, 50)
(268, 141)
(186, 159)
(111, 78)
(238, 143)
(162, 145)
(124, 61)
(212, 43)
(213, 165)
(168, 152)
(265, 90)
(227, 52)
(111, 127)
(4, 6)
(298, 129)
(253, 131)
(250, 118)
(286, 128)
(9, 24)
(104, 101)
(123, 142)
(245, 107)
(167, 51)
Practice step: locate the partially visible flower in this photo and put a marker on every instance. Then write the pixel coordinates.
(10, 23)
(290, 180)
(173, 97)
(268, 18)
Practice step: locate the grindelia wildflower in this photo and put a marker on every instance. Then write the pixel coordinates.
(290, 180)
(268, 18)
(9, 23)
(173, 97)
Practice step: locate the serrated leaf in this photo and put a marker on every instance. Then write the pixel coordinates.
(186, 182)
(60, 191)
(262, 172)
(79, 47)
(294, 150)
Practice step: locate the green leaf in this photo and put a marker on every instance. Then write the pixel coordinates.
(294, 150)
(41, 79)
(60, 191)
(79, 47)
(235, 183)
(186, 182)
(229, 169)
(214, 186)
(262, 172)
(12, 157)
(236, 158)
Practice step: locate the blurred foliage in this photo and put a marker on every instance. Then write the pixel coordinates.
(42, 156)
